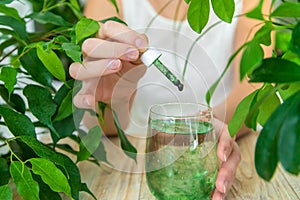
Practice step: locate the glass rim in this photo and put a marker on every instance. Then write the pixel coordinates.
(201, 105)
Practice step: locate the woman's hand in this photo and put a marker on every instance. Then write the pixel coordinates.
(109, 70)
(229, 156)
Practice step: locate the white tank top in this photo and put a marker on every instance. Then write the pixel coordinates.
(207, 60)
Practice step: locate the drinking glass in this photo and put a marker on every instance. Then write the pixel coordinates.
(181, 161)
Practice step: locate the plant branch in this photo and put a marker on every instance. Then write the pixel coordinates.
(8, 54)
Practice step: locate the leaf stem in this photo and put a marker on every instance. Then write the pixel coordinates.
(8, 54)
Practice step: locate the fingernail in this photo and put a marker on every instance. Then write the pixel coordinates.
(132, 53)
(225, 156)
(140, 43)
(114, 64)
(225, 187)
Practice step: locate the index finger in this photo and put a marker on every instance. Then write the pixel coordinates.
(123, 34)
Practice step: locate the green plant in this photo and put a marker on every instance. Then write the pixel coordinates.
(32, 61)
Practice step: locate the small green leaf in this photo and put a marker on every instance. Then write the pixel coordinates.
(35, 68)
(270, 103)
(289, 137)
(85, 28)
(224, 9)
(66, 107)
(73, 51)
(127, 147)
(85, 188)
(198, 14)
(89, 143)
(9, 11)
(9, 77)
(296, 40)
(276, 70)
(18, 26)
(251, 58)
(45, 191)
(6, 192)
(4, 173)
(256, 13)
(51, 175)
(240, 114)
(115, 19)
(287, 9)
(263, 35)
(18, 124)
(62, 160)
(14, 100)
(291, 89)
(291, 56)
(187, 1)
(40, 103)
(49, 18)
(6, 1)
(26, 186)
(114, 2)
(282, 40)
(52, 62)
(75, 4)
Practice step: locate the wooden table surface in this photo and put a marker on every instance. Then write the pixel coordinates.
(126, 180)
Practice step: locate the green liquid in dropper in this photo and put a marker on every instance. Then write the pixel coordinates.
(159, 65)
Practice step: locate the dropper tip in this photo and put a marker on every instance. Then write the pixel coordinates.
(180, 87)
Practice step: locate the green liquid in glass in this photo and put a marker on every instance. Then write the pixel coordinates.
(185, 173)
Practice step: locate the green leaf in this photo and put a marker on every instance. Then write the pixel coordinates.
(51, 175)
(66, 107)
(291, 56)
(251, 58)
(296, 40)
(289, 137)
(89, 143)
(276, 70)
(268, 142)
(287, 9)
(4, 173)
(114, 2)
(115, 19)
(14, 100)
(187, 1)
(6, 1)
(18, 124)
(18, 26)
(9, 77)
(71, 170)
(6, 192)
(256, 13)
(282, 40)
(40, 103)
(85, 188)
(49, 18)
(269, 104)
(263, 35)
(26, 186)
(85, 28)
(75, 4)
(224, 9)
(45, 191)
(52, 62)
(9, 11)
(73, 51)
(240, 114)
(35, 68)
(288, 91)
(198, 14)
(127, 147)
